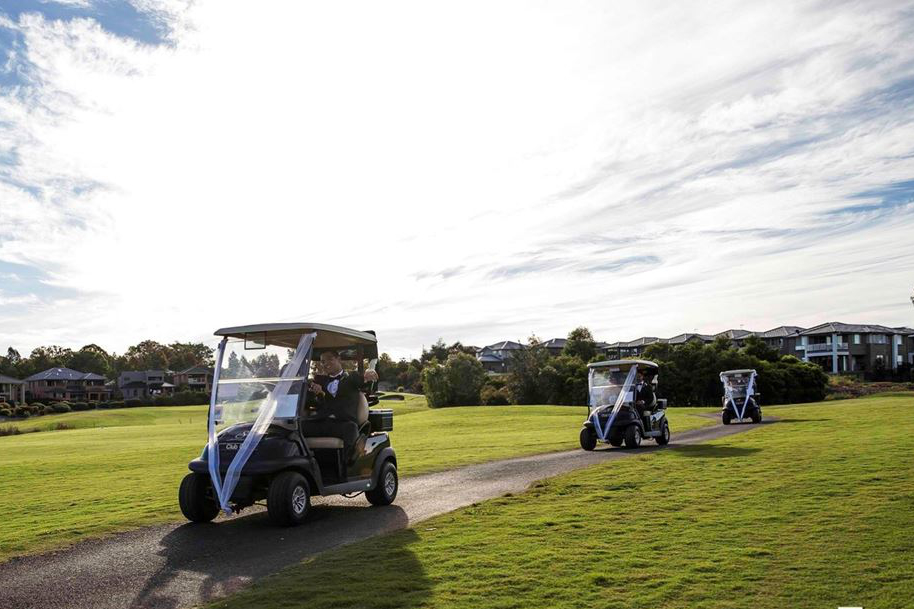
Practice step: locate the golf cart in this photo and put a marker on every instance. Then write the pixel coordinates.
(740, 401)
(615, 413)
(258, 412)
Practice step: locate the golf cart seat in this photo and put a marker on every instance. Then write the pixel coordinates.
(334, 442)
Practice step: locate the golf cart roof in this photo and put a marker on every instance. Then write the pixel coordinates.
(288, 334)
(641, 363)
(735, 372)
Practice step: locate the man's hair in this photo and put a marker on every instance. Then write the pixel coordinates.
(333, 352)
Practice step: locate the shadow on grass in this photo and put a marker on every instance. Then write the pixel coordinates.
(224, 557)
(713, 451)
(779, 420)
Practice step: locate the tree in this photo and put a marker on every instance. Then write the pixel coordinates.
(146, 355)
(756, 347)
(91, 358)
(438, 351)
(524, 369)
(455, 383)
(265, 365)
(43, 358)
(182, 356)
(580, 344)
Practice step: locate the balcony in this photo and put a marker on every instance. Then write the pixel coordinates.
(825, 347)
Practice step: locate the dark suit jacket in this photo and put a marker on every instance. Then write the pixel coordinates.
(645, 394)
(345, 405)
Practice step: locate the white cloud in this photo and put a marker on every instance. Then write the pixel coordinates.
(378, 164)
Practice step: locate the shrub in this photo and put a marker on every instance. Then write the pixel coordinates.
(116, 404)
(132, 403)
(456, 383)
(38, 405)
(6, 412)
(494, 396)
(80, 406)
(22, 411)
(60, 407)
(47, 409)
(4, 406)
(10, 430)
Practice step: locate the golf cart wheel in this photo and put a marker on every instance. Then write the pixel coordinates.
(757, 417)
(195, 505)
(632, 436)
(385, 491)
(288, 499)
(664, 438)
(588, 438)
(725, 417)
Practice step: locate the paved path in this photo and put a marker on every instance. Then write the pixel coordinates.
(180, 565)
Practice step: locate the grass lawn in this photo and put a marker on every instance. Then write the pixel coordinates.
(121, 468)
(814, 511)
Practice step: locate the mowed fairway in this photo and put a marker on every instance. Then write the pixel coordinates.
(121, 468)
(816, 510)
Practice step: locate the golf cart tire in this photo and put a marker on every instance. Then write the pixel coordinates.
(757, 417)
(284, 499)
(195, 505)
(664, 438)
(588, 438)
(632, 436)
(725, 417)
(382, 494)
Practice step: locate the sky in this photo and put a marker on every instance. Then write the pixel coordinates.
(471, 171)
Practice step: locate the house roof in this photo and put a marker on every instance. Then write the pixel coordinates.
(736, 334)
(505, 345)
(197, 370)
(782, 332)
(489, 357)
(687, 336)
(837, 327)
(8, 380)
(65, 374)
(640, 342)
(554, 343)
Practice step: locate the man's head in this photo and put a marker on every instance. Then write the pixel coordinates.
(331, 363)
(640, 376)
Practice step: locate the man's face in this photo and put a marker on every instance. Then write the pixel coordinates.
(331, 364)
(640, 377)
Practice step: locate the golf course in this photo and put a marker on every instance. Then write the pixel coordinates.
(814, 510)
(120, 469)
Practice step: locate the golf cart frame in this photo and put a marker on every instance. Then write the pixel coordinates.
(740, 403)
(249, 461)
(613, 415)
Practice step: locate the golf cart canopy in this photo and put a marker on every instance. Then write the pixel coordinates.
(345, 340)
(745, 372)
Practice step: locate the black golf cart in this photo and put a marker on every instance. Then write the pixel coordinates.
(616, 414)
(740, 403)
(258, 410)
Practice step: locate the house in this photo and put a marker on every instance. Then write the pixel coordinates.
(783, 339)
(841, 347)
(681, 339)
(195, 378)
(554, 346)
(737, 337)
(12, 390)
(66, 384)
(494, 358)
(632, 348)
(143, 384)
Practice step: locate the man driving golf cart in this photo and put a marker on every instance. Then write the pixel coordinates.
(623, 406)
(740, 402)
(260, 445)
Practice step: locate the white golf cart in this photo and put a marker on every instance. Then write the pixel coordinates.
(618, 411)
(740, 401)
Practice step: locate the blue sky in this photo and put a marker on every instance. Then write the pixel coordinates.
(468, 171)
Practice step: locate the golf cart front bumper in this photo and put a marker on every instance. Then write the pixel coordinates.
(254, 467)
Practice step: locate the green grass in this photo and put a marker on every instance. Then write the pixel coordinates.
(814, 511)
(121, 468)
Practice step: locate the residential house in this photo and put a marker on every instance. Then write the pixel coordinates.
(554, 346)
(143, 384)
(12, 390)
(630, 349)
(66, 384)
(840, 347)
(783, 339)
(681, 339)
(737, 337)
(494, 358)
(195, 378)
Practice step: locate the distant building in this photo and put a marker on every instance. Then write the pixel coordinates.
(737, 337)
(143, 384)
(840, 347)
(783, 339)
(554, 346)
(494, 358)
(67, 384)
(195, 378)
(12, 390)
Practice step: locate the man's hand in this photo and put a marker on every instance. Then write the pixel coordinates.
(315, 388)
(371, 376)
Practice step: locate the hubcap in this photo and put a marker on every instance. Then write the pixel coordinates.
(390, 483)
(637, 436)
(299, 499)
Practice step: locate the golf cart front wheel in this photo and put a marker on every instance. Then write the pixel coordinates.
(633, 436)
(195, 505)
(725, 417)
(664, 438)
(288, 499)
(385, 490)
(588, 438)
(757, 417)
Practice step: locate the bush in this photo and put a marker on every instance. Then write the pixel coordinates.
(5, 406)
(116, 404)
(10, 430)
(6, 412)
(38, 405)
(80, 406)
(47, 409)
(60, 407)
(494, 396)
(22, 411)
(456, 383)
(132, 403)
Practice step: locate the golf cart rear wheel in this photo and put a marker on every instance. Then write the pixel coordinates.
(385, 490)
(725, 417)
(288, 499)
(588, 438)
(195, 505)
(632, 436)
(664, 438)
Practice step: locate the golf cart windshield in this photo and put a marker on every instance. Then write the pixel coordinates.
(255, 374)
(736, 384)
(606, 384)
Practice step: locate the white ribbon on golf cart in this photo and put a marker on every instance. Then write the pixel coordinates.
(620, 400)
(225, 488)
(728, 390)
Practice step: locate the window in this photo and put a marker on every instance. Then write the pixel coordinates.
(898, 340)
(856, 339)
(878, 339)
(899, 359)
